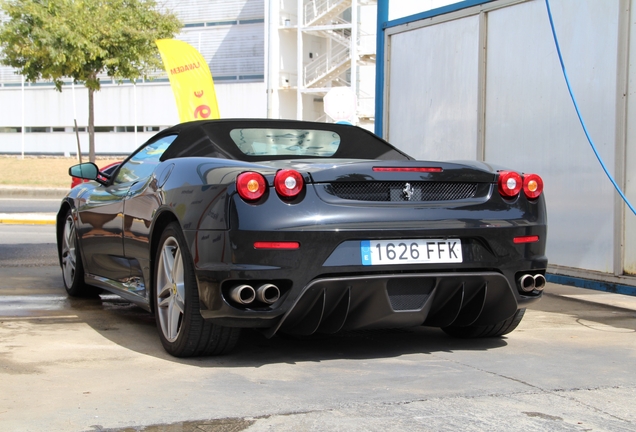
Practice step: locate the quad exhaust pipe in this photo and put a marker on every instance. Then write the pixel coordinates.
(539, 282)
(243, 294)
(267, 293)
(246, 294)
(529, 283)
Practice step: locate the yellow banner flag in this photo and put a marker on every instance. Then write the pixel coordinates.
(190, 79)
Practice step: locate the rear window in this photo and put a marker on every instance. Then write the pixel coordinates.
(285, 142)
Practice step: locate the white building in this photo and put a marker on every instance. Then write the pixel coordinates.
(268, 58)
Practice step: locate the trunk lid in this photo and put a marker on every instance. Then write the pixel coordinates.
(355, 170)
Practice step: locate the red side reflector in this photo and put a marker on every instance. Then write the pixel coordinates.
(276, 245)
(526, 239)
(408, 169)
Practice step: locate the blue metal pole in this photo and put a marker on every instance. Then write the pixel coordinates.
(383, 18)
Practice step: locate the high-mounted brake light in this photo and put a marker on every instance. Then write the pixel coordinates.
(408, 169)
(532, 185)
(251, 185)
(509, 183)
(288, 183)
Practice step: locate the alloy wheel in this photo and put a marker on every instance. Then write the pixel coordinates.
(170, 293)
(69, 260)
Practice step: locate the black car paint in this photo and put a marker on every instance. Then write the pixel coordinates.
(117, 225)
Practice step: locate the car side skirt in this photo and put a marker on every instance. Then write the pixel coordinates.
(125, 290)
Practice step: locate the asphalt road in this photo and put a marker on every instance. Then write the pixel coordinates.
(97, 364)
(27, 246)
(29, 205)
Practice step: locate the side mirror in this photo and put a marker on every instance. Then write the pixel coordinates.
(86, 171)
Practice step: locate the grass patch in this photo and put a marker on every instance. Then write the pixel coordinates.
(40, 171)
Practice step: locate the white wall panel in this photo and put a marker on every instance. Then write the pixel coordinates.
(630, 156)
(432, 101)
(66, 143)
(114, 106)
(531, 124)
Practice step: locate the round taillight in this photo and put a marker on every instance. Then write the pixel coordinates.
(288, 183)
(509, 183)
(532, 185)
(251, 185)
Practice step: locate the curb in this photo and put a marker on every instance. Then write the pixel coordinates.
(27, 218)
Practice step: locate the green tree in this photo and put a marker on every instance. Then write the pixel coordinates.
(80, 39)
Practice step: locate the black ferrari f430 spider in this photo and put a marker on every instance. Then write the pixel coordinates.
(302, 228)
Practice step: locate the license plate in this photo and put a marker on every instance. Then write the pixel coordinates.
(414, 251)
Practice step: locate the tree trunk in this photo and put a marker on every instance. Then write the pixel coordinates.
(91, 126)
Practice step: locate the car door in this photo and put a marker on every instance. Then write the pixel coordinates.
(140, 204)
(100, 226)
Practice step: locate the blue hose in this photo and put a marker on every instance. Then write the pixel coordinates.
(578, 113)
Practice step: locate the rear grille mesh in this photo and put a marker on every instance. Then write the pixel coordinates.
(402, 191)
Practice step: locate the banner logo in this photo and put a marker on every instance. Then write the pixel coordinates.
(193, 91)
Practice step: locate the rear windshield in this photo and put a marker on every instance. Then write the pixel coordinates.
(255, 140)
(285, 142)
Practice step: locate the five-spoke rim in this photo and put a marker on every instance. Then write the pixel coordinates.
(170, 293)
(68, 252)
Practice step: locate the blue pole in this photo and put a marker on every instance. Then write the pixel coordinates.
(383, 18)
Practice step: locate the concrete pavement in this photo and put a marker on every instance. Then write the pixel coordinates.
(72, 364)
(591, 296)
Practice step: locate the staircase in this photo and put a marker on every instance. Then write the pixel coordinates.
(322, 12)
(327, 66)
(330, 24)
(324, 16)
(341, 36)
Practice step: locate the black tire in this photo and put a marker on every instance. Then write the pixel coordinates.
(182, 329)
(494, 330)
(71, 262)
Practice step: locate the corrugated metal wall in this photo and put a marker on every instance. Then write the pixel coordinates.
(229, 34)
(234, 52)
(192, 11)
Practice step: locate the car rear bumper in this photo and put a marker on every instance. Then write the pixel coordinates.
(325, 285)
(328, 305)
(326, 288)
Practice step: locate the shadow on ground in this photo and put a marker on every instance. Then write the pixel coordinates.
(131, 327)
(36, 294)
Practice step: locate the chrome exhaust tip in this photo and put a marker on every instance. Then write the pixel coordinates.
(527, 283)
(539, 282)
(243, 294)
(267, 293)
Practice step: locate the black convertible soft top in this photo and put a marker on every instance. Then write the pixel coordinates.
(211, 138)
